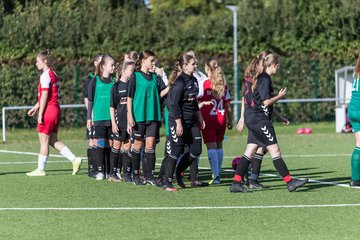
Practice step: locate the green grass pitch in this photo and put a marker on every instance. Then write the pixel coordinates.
(61, 206)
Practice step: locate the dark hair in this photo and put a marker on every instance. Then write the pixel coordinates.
(143, 55)
(357, 68)
(104, 59)
(46, 57)
(178, 68)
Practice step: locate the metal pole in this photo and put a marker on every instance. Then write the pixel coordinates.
(76, 94)
(316, 92)
(3, 125)
(234, 10)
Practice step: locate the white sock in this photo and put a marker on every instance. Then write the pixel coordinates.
(220, 154)
(42, 159)
(65, 151)
(214, 162)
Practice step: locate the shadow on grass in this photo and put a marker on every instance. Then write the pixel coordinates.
(47, 171)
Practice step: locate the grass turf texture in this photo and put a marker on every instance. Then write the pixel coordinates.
(61, 190)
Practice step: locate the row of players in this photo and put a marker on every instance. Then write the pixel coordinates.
(135, 101)
(124, 115)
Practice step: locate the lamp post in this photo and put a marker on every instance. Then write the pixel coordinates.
(234, 10)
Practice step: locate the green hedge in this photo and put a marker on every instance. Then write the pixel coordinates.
(304, 33)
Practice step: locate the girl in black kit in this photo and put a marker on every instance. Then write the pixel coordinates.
(261, 130)
(183, 116)
(90, 131)
(118, 114)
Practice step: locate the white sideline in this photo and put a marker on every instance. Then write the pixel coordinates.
(181, 208)
(205, 168)
(227, 157)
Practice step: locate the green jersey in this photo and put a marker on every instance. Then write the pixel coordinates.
(102, 99)
(146, 100)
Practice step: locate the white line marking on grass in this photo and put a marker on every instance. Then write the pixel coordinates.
(205, 168)
(227, 157)
(181, 208)
(311, 180)
(308, 155)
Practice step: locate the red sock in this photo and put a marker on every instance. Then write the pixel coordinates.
(237, 178)
(287, 178)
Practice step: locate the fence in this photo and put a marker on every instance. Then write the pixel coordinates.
(304, 100)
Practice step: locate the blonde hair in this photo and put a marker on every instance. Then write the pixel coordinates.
(216, 78)
(264, 63)
(120, 67)
(250, 70)
(97, 59)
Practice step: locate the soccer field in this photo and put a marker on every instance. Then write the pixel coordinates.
(62, 206)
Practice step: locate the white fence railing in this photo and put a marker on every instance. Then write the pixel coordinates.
(4, 109)
(303, 100)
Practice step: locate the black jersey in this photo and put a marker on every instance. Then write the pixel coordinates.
(86, 85)
(248, 94)
(181, 99)
(118, 100)
(263, 91)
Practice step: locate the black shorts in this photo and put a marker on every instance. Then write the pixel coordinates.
(261, 132)
(120, 136)
(191, 134)
(102, 132)
(90, 132)
(149, 129)
(191, 137)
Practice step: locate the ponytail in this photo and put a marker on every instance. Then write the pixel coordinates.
(216, 77)
(178, 68)
(117, 71)
(97, 60)
(174, 74)
(142, 56)
(263, 64)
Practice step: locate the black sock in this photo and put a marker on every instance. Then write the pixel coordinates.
(114, 158)
(127, 164)
(92, 159)
(100, 158)
(169, 164)
(107, 159)
(89, 156)
(256, 166)
(280, 166)
(120, 161)
(194, 169)
(242, 166)
(135, 159)
(150, 160)
(161, 174)
(144, 164)
(184, 163)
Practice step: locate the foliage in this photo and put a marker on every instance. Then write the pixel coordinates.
(304, 33)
